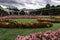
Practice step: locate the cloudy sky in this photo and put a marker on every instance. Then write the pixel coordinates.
(29, 4)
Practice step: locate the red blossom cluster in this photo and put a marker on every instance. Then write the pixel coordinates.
(48, 35)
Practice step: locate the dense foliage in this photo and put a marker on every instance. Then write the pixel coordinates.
(3, 13)
(48, 10)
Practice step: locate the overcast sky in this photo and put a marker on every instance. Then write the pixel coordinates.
(29, 4)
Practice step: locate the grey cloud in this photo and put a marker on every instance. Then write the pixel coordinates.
(27, 3)
(10, 2)
(57, 0)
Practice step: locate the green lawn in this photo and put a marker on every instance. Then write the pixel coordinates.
(11, 33)
(25, 20)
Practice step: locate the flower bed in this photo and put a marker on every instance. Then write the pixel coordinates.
(48, 35)
(14, 24)
(49, 20)
(23, 16)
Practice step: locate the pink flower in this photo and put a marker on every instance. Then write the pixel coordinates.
(19, 37)
(45, 34)
(34, 37)
(43, 38)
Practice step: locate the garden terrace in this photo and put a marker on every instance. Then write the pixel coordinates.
(11, 33)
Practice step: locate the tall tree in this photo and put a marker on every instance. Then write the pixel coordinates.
(48, 6)
(52, 6)
(58, 6)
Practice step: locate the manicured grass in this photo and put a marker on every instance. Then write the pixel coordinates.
(11, 33)
(24, 20)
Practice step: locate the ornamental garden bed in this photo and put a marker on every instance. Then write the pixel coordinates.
(14, 24)
(48, 35)
(53, 20)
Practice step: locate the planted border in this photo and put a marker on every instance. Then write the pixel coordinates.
(14, 24)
